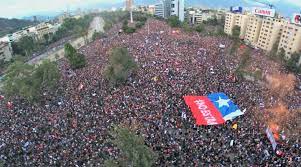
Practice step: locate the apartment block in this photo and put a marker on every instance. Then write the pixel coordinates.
(270, 33)
(290, 39)
(177, 9)
(229, 22)
(253, 30)
(198, 17)
(236, 19)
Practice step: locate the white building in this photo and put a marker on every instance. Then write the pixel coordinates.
(177, 9)
(159, 10)
(43, 29)
(198, 17)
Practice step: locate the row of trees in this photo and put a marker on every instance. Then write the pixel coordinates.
(75, 59)
(140, 20)
(73, 27)
(27, 45)
(112, 18)
(121, 66)
(29, 81)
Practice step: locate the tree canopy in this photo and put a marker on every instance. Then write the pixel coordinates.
(120, 66)
(200, 28)
(75, 59)
(174, 21)
(292, 64)
(28, 81)
(236, 32)
(134, 152)
(25, 46)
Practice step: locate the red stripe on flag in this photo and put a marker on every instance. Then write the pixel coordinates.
(203, 110)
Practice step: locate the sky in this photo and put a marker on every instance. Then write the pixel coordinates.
(20, 8)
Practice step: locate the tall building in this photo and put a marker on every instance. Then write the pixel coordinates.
(129, 4)
(177, 9)
(236, 19)
(253, 30)
(162, 9)
(159, 10)
(290, 39)
(270, 33)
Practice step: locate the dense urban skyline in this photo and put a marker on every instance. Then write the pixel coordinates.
(23, 8)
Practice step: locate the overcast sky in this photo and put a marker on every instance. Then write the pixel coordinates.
(19, 8)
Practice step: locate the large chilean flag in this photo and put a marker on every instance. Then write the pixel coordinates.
(216, 108)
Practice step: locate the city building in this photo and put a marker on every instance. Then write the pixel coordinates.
(177, 9)
(290, 39)
(264, 29)
(253, 30)
(270, 33)
(159, 10)
(198, 16)
(236, 19)
(151, 9)
(43, 29)
(5, 51)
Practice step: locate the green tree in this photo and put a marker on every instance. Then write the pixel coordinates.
(46, 38)
(134, 152)
(121, 65)
(200, 28)
(25, 46)
(186, 27)
(236, 32)
(47, 75)
(97, 35)
(292, 64)
(129, 30)
(174, 21)
(234, 46)
(18, 81)
(75, 59)
(281, 54)
(212, 21)
(28, 81)
(273, 52)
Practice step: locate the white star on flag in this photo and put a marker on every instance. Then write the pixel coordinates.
(222, 102)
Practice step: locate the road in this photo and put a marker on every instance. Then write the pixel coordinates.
(56, 53)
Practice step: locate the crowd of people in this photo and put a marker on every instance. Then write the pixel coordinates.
(70, 127)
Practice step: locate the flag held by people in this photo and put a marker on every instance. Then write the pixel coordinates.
(216, 108)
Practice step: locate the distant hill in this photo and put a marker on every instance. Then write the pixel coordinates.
(11, 25)
(40, 18)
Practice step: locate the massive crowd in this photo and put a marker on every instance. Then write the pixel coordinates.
(70, 127)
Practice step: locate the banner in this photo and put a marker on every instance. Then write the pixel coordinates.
(296, 19)
(213, 109)
(271, 138)
(264, 12)
(236, 9)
